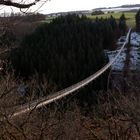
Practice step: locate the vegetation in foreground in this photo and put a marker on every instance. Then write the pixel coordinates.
(115, 116)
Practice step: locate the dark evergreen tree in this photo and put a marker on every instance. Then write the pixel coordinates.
(113, 22)
(122, 24)
(138, 21)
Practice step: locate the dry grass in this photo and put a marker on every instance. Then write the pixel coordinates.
(115, 117)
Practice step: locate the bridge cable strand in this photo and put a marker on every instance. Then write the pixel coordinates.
(67, 91)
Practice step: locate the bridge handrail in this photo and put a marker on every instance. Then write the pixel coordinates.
(60, 94)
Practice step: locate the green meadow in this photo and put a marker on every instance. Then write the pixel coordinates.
(130, 17)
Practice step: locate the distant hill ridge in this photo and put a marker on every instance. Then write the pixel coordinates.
(122, 6)
(130, 6)
(86, 12)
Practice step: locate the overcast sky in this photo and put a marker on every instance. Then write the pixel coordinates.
(72, 5)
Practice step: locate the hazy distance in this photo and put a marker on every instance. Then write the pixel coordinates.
(54, 6)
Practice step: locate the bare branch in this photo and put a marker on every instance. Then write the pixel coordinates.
(16, 4)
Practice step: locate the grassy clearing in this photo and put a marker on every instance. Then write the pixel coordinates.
(49, 19)
(131, 23)
(130, 17)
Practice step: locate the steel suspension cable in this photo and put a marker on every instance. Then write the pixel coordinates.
(67, 91)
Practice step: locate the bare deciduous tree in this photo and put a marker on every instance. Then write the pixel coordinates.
(19, 4)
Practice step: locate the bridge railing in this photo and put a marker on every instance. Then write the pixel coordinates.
(67, 91)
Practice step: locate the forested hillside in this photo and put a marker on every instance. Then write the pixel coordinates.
(66, 50)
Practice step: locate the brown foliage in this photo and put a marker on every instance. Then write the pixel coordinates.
(115, 117)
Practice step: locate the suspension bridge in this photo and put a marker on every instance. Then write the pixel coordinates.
(25, 108)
